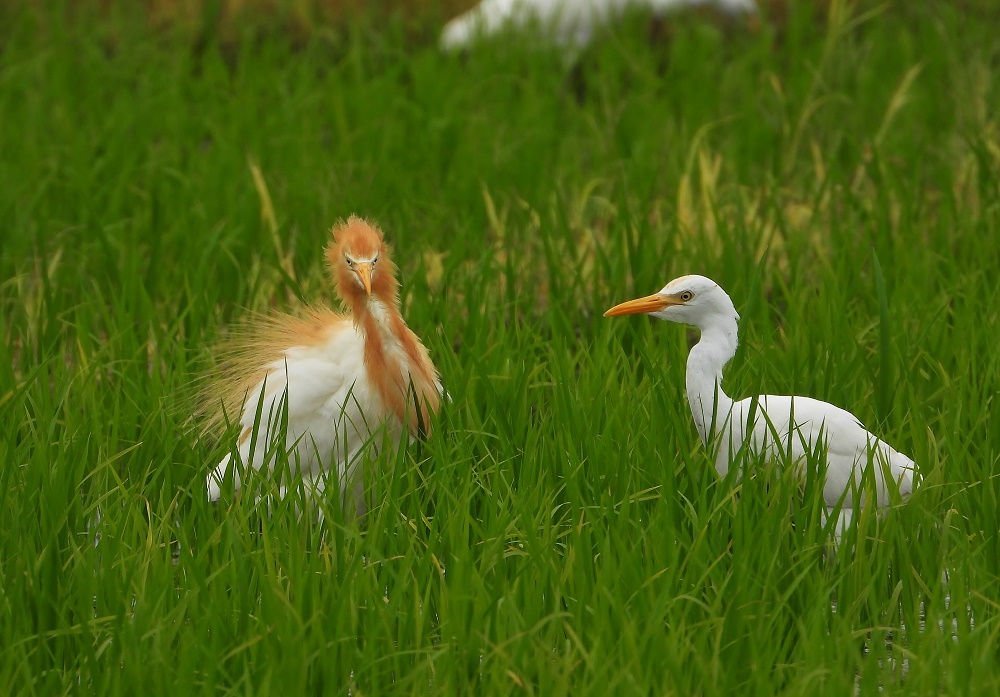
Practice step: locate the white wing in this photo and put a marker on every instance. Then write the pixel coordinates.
(800, 426)
(332, 411)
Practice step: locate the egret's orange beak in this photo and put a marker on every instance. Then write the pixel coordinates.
(364, 271)
(651, 303)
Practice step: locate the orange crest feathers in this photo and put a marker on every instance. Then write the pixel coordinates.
(356, 237)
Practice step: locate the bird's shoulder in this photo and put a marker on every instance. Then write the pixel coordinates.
(270, 336)
(263, 342)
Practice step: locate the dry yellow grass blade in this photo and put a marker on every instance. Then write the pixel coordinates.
(268, 217)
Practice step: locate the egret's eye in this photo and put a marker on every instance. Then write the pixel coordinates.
(373, 263)
(686, 295)
(350, 262)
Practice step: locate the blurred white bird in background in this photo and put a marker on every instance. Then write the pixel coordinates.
(568, 23)
(771, 426)
(341, 381)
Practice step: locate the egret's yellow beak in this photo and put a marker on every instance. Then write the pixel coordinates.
(651, 303)
(364, 271)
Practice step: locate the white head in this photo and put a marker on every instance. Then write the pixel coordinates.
(694, 300)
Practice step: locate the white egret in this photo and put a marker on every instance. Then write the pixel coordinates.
(339, 382)
(769, 425)
(569, 23)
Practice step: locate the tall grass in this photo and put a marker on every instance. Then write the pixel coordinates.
(562, 531)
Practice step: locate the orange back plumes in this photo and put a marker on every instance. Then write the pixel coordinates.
(357, 238)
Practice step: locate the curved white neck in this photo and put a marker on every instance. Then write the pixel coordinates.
(709, 404)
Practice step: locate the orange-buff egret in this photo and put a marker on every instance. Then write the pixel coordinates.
(769, 425)
(338, 383)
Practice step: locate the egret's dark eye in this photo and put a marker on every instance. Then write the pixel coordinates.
(373, 262)
(686, 295)
(350, 262)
